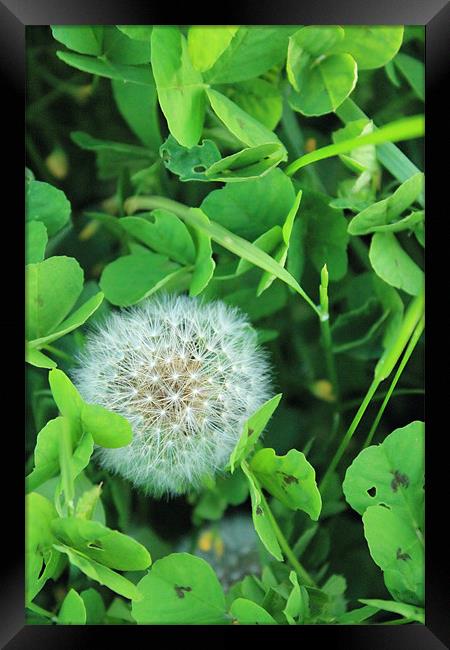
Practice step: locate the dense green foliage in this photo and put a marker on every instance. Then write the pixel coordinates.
(255, 165)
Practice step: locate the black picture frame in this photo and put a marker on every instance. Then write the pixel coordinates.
(15, 15)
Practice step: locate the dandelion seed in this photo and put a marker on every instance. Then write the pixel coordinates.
(186, 395)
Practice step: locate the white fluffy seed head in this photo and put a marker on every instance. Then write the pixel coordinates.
(186, 375)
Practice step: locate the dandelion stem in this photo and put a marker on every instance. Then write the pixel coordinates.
(299, 569)
(326, 336)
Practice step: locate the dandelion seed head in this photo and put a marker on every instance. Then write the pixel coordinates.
(186, 374)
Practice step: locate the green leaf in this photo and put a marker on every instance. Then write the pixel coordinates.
(46, 453)
(252, 430)
(272, 198)
(46, 203)
(81, 38)
(108, 429)
(408, 611)
(136, 74)
(404, 129)
(131, 278)
(73, 610)
(398, 551)
(189, 163)
(323, 84)
(67, 398)
(242, 125)
(36, 239)
(204, 262)
(206, 44)
(100, 573)
(371, 46)
(52, 288)
(39, 538)
(414, 72)
(76, 319)
(138, 106)
(323, 234)
(95, 607)
(251, 52)
(358, 326)
(260, 99)
(261, 517)
(137, 32)
(180, 87)
(241, 247)
(38, 359)
(180, 589)
(247, 612)
(294, 602)
(164, 232)
(385, 482)
(97, 542)
(393, 265)
(291, 479)
(356, 616)
(391, 473)
(87, 502)
(314, 40)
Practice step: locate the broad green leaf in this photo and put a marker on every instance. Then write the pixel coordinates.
(87, 502)
(405, 195)
(46, 453)
(136, 74)
(84, 39)
(403, 129)
(180, 589)
(251, 51)
(138, 106)
(240, 247)
(272, 198)
(36, 239)
(408, 611)
(137, 32)
(67, 398)
(105, 41)
(398, 551)
(52, 288)
(81, 455)
(108, 429)
(261, 516)
(242, 125)
(414, 72)
(371, 46)
(109, 547)
(180, 87)
(294, 602)
(206, 44)
(131, 278)
(73, 610)
(391, 473)
(38, 543)
(95, 607)
(46, 203)
(393, 265)
(65, 451)
(291, 479)
(322, 231)
(88, 142)
(385, 482)
(164, 232)
(38, 359)
(246, 612)
(82, 485)
(76, 319)
(102, 574)
(311, 40)
(204, 262)
(267, 242)
(189, 163)
(324, 84)
(252, 430)
(260, 99)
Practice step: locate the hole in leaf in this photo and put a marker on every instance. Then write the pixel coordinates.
(372, 491)
(199, 168)
(96, 545)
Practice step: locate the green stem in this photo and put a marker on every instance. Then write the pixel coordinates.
(57, 353)
(302, 573)
(348, 436)
(380, 396)
(408, 352)
(326, 335)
